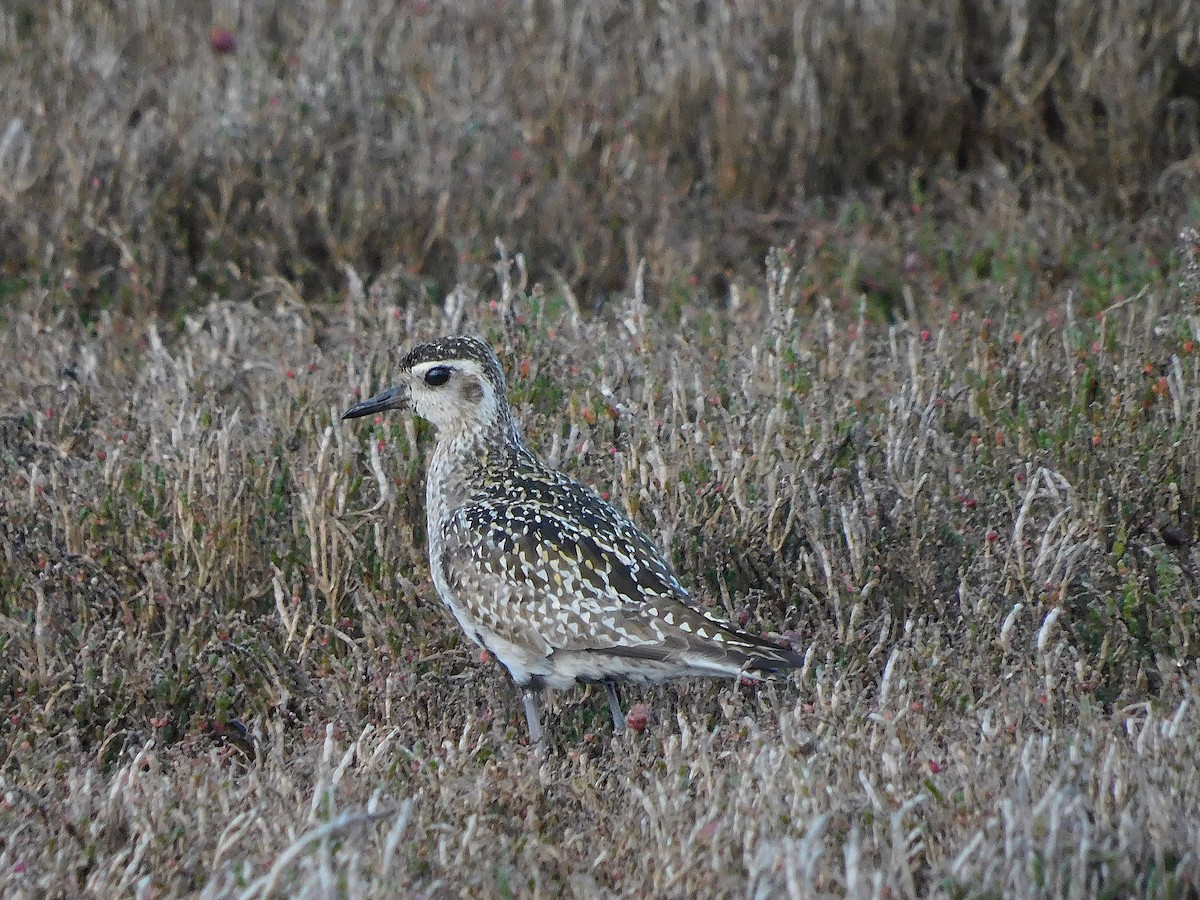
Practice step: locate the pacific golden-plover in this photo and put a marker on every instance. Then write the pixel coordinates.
(538, 570)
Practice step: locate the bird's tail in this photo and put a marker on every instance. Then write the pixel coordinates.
(739, 653)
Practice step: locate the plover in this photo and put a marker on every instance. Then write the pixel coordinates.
(553, 581)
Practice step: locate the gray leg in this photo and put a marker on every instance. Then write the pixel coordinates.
(536, 735)
(614, 706)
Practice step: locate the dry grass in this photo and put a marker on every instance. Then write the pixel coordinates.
(225, 669)
(948, 441)
(695, 135)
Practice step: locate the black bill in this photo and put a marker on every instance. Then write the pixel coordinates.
(392, 398)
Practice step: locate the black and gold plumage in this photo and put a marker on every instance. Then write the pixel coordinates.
(537, 569)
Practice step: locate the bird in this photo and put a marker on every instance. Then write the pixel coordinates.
(538, 570)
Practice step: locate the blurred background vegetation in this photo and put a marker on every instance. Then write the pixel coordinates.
(160, 154)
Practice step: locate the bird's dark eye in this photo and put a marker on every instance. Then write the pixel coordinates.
(437, 376)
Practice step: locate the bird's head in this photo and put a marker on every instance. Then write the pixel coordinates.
(453, 382)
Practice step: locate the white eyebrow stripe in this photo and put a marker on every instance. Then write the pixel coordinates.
(466, 366)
